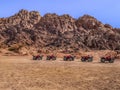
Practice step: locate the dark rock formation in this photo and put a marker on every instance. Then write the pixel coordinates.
(52, 32)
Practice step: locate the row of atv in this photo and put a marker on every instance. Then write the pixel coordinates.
(72, 58)
(40, 57)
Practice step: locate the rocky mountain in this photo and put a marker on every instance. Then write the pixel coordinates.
(30, 32)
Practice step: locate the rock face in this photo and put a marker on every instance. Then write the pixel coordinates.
(31, 32)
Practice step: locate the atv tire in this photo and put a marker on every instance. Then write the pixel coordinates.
(90, 59)
(39, 58)
(48, 58)
(111, 61)
(83, 60)
(54, 58)
(103, 60)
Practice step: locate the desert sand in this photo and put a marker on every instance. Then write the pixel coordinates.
(22, 73)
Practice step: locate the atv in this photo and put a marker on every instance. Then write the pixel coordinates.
(37, 57)
(108, 59)
(51, 57)
(87, 58)
(69, 58)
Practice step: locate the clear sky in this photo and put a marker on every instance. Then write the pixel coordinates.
(107, 11)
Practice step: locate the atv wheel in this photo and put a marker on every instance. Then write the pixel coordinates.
(73, 59)
(64, 59)
(48, 58)
(111, 61)
(70, 59)
(54, 58)
(103, 60)
(90, 59)
(34, 58)
(82, 59)
(40, 58)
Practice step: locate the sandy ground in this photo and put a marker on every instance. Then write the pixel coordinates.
(22, 73)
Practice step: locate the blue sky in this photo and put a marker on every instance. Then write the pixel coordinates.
(107, 11)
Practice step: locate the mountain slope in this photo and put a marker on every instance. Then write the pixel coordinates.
(28, 31)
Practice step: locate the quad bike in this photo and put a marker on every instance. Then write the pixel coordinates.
(51, 57)
(87, 58)
(107, 58)
(37, 57)
(69, 58)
